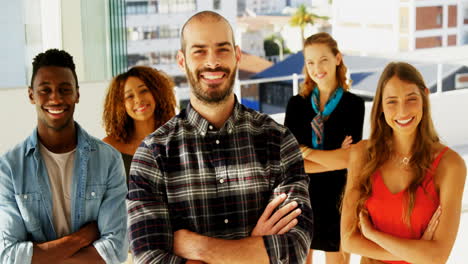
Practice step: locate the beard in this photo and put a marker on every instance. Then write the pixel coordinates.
(221, 91)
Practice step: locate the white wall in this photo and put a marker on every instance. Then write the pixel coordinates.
(12, 30)
(366, 26)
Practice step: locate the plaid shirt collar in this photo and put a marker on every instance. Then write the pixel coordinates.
(201, 124)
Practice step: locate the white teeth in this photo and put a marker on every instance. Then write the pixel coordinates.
(320, 75)
(405, 121)
(141, 108)
(53, 111)
(212, 77)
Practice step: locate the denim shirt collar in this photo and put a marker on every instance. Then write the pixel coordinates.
(84, 142)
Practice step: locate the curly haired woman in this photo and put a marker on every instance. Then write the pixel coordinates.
(137, 103)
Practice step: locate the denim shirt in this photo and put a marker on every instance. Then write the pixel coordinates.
(98, 194)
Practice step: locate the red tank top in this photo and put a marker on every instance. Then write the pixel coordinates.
(387, 210)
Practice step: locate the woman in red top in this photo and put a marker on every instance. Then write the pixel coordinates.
(402, 201)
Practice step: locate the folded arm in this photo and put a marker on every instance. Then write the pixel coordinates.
(352, 240)
(293, 245)
(85, 255)
(112, 218)
(324, 160)
(193, 246)
(450, 176)
(270, 245)
(150, 229)
(378, 245)
(73, 248)
(16, 246)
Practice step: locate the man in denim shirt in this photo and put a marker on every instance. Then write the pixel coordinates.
(62, 191)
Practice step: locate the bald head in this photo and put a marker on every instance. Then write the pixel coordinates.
(203, 17)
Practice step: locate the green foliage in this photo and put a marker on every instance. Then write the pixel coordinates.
(302, 17)
(271, 48)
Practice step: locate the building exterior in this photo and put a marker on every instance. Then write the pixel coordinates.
(368, 27)
(250, 65)
(253, 30)
(261, 19)
(268, 7)
(153, 29)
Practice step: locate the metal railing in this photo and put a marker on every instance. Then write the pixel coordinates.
(438, 77)
(295, 78)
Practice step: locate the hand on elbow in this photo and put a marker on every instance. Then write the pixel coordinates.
(279, 222)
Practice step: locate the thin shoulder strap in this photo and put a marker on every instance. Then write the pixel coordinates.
(435, 164)
(439, 157)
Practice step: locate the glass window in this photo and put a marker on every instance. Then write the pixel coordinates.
(439, 19)
(465, 15)
(176, 6)
(216, 4)
(153, 7)
(164, 6)
(153, 58)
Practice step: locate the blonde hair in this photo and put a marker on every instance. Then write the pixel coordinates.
(323, 38)
(380, 143)
(117, 123)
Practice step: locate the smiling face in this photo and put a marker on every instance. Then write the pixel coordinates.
(55, 94)
(321, 64)
(139, 101)
(209, 60)
(402, 106)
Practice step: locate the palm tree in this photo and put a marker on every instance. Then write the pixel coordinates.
(301, 18)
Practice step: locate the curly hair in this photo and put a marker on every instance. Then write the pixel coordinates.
(53, 57)
(117, 123)
(323, 38)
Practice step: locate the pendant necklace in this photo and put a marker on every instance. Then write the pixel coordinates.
(402, 160)
(405, 161)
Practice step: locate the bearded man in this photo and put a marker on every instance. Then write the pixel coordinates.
(218, 183)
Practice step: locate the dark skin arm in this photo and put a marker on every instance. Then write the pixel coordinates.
(85, 255)
(73, 248)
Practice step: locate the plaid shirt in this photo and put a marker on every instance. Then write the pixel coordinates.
(217, 183)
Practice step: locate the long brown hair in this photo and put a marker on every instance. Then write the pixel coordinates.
(380, 144)
(117, 122)
(323, 38)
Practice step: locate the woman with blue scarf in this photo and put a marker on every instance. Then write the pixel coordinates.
(325, 119)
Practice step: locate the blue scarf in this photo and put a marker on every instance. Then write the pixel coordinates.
(317, 122)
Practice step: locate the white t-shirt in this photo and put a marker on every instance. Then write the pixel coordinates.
(60, 170)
